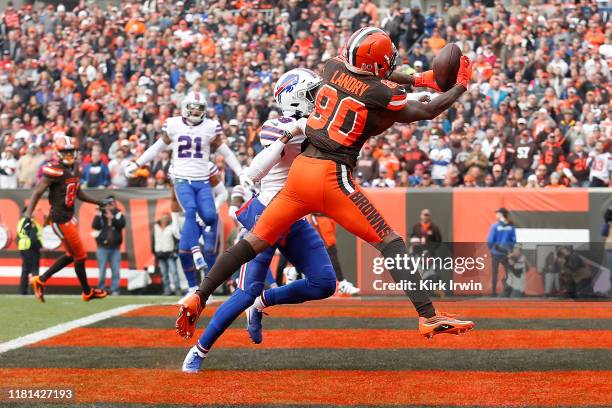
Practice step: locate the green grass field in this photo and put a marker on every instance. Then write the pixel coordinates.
(21, 315)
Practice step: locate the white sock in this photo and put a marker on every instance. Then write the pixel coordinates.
(200, 350)
(259, 303)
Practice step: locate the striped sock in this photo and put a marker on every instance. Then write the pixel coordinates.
(260, 303)
(202, 352)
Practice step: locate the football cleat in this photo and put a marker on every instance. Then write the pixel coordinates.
(38, 287)
(94, 293)
(443, 323)
(189, 313)
(190, 291)
(254, 328)
(347, 288)
(194, 359)
(291, 274)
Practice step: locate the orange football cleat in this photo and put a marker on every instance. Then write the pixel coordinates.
(189, 313)
(38, 287)
(443, 323)
(94, 293)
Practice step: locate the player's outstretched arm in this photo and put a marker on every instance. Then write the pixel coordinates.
(419, 111)
(416, 111)
(38, 192)
(230, 158)
(420, 80)
(267, 158)
(161, 144)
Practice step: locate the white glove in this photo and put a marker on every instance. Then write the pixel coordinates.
(131, 168)
(246, 181)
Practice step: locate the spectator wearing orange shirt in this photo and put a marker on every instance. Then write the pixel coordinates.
(595, 36)
(206, 44)
(136, 26)
(389, 161)
(436, 42)
(99, 84)
(304, 43)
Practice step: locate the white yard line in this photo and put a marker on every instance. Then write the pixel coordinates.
(64, 327)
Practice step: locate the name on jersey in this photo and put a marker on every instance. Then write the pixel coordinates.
(372, 215)
(349, 83)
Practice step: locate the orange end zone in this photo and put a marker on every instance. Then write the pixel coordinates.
(467, 311)
(566, 388)
(342, 339)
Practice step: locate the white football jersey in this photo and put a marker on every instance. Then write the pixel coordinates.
(270, 131)
(601, 167)
(191, 146)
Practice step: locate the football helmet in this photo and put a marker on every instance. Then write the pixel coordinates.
(295, 91)
(65, 148)
(370, 50)
(193, 107)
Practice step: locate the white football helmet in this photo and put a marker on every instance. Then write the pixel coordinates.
(295, 91)
(193, 107)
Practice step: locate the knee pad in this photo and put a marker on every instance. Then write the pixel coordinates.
(325, 283)
(394, 247)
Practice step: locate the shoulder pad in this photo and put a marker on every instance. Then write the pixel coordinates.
(270, 131)
(53, 170)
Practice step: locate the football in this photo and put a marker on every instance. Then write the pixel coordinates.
(446, 66)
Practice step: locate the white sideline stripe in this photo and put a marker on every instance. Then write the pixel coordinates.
(64, 327)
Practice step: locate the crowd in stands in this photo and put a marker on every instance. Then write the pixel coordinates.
(537, 114)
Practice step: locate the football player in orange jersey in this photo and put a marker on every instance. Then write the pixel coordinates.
(361, 97)
(62, 178)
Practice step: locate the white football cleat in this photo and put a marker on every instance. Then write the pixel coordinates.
(291, 274)
(193, 360)
(347, 288)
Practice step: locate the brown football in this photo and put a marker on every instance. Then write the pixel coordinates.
(446, 66)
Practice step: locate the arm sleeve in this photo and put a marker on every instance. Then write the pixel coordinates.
(265, 160)
(230, 158)
(220, 194)
(152, 152)
(397, 98)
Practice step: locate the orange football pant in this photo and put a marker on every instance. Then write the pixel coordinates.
(321, 186)
(69, 233)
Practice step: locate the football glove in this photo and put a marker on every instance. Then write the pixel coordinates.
(465, 72)
(426, 80)
(246, 181)
(131, 168)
